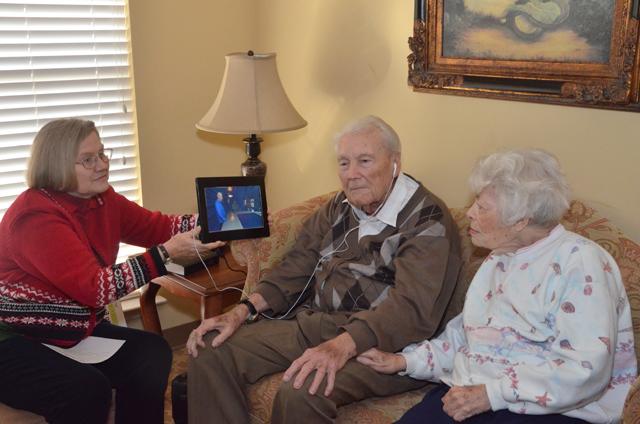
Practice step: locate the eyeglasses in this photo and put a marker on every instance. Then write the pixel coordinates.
(90, 161)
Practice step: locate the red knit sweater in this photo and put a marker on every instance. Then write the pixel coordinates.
(57, 255)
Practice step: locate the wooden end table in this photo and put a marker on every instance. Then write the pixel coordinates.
(197, 286)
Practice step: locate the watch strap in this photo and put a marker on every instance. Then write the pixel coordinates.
(158, 260)
(253, 312)
(164, 253)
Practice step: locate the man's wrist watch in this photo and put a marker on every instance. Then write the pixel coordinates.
(253, 312)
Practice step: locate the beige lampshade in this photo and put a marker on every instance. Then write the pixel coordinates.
(251, 99)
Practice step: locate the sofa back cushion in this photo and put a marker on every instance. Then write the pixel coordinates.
(587, 222)
(260, 255)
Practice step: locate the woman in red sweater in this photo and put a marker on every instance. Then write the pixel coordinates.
(58, 247)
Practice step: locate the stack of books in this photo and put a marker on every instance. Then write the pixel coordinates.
(189, 267)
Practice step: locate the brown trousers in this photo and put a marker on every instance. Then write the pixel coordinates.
(218, 377)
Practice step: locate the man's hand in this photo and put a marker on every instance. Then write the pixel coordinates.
(383, 362)
(326, 359)
(226, 324)
(462, 402)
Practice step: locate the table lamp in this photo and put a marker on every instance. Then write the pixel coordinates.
(251, 100)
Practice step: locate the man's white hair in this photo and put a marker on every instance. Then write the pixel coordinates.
(528, 183)
(371, 123)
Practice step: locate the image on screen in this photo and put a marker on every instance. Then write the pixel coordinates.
(233, 208)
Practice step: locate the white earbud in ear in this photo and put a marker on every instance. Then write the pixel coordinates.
(395, 168)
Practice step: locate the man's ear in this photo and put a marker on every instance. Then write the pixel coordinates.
(396, 165)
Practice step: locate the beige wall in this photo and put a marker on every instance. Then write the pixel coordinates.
(340, 59)
(178, 57)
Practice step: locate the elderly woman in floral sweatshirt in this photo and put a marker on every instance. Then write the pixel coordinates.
(545, 334)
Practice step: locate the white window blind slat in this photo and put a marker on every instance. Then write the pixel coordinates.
(15, 177)
(50, 62)
(65, 58)
(14, 152)
(12, 190)
(20, 90)
(45, 10)
(14, 37)
(49, 50)
(14, 23)
(112, 126)
(110, 112)
(123, 172)
(15, 105)
(64, 74)
(67, 2)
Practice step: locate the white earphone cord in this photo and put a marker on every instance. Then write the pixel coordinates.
(322, 258)
(336, 250)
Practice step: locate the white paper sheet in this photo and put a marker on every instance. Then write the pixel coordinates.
(91, 350)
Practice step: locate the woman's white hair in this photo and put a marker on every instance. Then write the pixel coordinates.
(371, 123)
(528, 183)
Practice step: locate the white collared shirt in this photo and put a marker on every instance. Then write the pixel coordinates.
(402, 191)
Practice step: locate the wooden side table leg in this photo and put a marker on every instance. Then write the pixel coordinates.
(148, 309)
(214, 305)
(210, 306)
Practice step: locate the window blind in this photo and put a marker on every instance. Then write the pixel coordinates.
(65, 58)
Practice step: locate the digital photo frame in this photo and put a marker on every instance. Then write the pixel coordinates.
(232, 208)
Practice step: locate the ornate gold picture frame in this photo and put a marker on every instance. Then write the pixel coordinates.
(570, 52)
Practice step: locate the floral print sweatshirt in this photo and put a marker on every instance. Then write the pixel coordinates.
(547, 329)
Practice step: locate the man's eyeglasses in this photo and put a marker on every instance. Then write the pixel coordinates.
(90, 161)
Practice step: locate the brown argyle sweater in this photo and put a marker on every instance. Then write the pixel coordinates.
(387, 290)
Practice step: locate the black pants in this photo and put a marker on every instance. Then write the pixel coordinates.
(37, 379)
(430, 410)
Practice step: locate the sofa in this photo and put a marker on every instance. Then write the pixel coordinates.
(259, 255)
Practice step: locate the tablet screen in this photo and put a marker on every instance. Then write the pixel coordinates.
(232, 208)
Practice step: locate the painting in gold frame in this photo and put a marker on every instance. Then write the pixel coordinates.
(572, 52)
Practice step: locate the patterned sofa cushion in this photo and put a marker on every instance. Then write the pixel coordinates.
(261, 255)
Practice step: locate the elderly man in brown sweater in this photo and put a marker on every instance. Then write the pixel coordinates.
(374, 267)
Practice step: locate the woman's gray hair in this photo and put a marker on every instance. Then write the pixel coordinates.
(369, 123)
(54, 151)
(528, 183)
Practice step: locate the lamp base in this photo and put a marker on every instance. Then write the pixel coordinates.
(253, 167)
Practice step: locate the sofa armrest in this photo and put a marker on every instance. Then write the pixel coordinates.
(245, 253)
(631, 412)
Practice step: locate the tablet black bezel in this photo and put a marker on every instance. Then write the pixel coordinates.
(205, 182)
